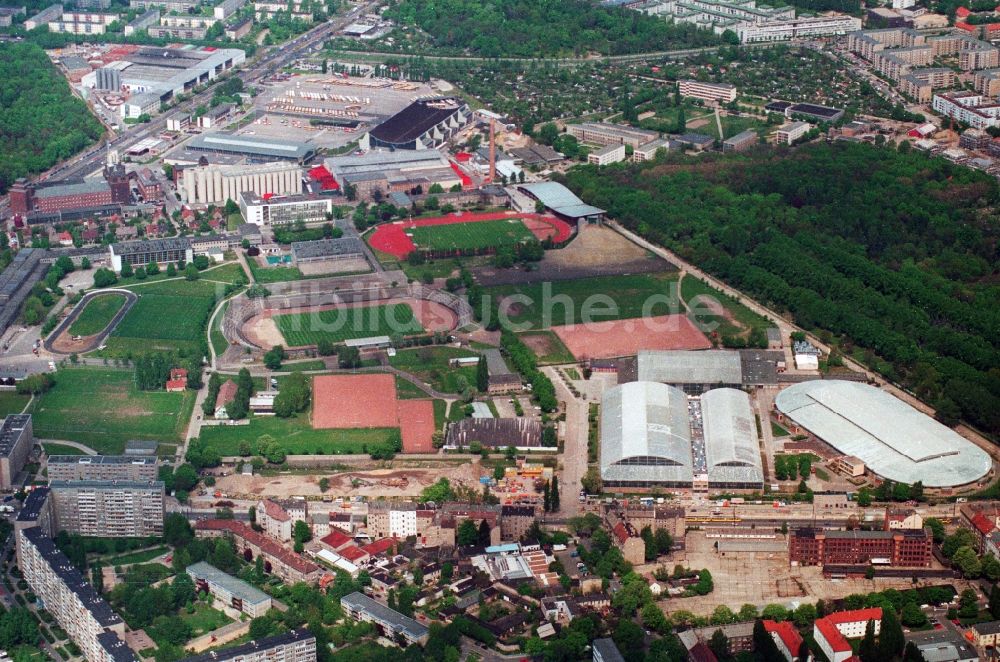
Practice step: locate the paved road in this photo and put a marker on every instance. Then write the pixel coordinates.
(574, 457)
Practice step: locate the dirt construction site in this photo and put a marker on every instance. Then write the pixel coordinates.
(375, 483)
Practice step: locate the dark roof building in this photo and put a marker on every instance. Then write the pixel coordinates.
(424, 124)
(394, 625)
(497, 433)
(257, 149)
(295, 646)
(346, 248)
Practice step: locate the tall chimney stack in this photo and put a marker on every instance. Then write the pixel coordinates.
(493, 150)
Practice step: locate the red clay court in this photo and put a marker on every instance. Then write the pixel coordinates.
(391, 238)
(612, 339)
(369, 401)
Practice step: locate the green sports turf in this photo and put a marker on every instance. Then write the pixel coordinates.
(170, 315)
(296, 435)
(341, 324)
(97, 313)
(468, 236)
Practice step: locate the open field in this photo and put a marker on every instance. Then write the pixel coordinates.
(296, 435)
(103, 409)
(401, 238)
(430, 364)
(534, 306)
(204, 619)
(547, 346)
(354, 401)
(342, 323)
(276, 274)
(12, 403)
(97, 314)
(715, 312)
(61, 449)
(169, 316)
(612, 339)
(225, 273)
(219, 342)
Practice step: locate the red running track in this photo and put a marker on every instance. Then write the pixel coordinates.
(391, 238)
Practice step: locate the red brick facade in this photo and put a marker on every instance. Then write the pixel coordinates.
(899, 548)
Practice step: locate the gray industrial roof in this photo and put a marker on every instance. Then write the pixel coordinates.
(684, 367)
(236, 587)
(272, 147)
(76, 188)
(893, 439)
(731, 446)
(560, 199)
(607, 650)
(645, 434)
(361, 602)
(327, 247)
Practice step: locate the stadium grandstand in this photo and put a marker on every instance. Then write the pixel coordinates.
(561, 201)
(424, 124)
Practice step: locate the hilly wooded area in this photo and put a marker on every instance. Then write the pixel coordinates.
(891, 256)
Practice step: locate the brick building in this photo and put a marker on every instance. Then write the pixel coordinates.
(906, 548)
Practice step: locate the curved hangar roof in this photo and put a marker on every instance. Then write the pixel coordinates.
(731, 448)
(645, 434)
(893, 439)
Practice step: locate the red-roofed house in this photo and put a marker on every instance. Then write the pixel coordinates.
(701, 653)
(633, 548)
(278, 560)
(786, 638)
(832, 632)
(354, 554)
(962, 25)
(65, 238)
(178, 380)
(379, 546)
(983, 519)
(962, 12)
(227, 393)
(274, 519)
(336, 540)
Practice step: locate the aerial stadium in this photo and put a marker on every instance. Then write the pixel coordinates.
(655, 436)
(894, 440)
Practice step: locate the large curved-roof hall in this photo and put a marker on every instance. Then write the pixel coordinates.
(893, 439)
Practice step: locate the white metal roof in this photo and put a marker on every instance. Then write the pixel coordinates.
(686, 367)
(892, 438)
(560, 199)
(731, 446)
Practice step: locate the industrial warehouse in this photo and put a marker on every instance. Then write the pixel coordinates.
(654, 435)
(894, 440)
(424, 124)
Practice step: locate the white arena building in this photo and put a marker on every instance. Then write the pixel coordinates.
(893, 439)
(654, 435)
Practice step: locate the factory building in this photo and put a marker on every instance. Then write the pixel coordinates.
(254, 150)
(102, 467)
(16, 440)
(16, 283)
(900, 547)
(383, 172)
(424, 124)
(108, 508)
(283, 210)
(215, 184)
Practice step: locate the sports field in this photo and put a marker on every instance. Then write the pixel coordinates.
(171, 315)
(97, 313)
(103, 409)
(296, 435)
(543, 305)
(401, 238)
(470, 236)
(615, 338)
(340, 324)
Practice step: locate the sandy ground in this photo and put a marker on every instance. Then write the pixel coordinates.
(596, 245)
(539, 343)
(262, 330)
(334, 267)
(386, 483)
(617, 338)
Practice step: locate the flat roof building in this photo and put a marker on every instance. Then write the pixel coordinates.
(295, 646)
(16, 439)
(102, 467)
(216, 184)
(607, 155)
(256, 149)
(599, 133)
(692, 371)
(707, 91)
(893, 439)
(141, 253)
(280, 210)
(395, 626)
(741, 141)
(345, 248)
(605, 650)
(496, 433)
(232, 592)
(109, 509)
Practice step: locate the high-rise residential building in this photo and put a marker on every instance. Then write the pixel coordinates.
(16, 440)
(112, 509)
(102, 467)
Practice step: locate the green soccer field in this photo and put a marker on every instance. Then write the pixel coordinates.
(470, 236)
(168, 316)
(103, 409)
(342, 324)
(97, 314)
(297, 436)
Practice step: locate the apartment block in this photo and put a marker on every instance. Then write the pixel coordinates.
(393, 625)
(109, 509)
(388, 519)
(82, 23)
(278, 560)
(647, 151)
(77, 607)
(868, 43)
(278, 517)
(102, 467)
(987, 82)
(607, 155)
(610, 134)
(707, 91)
(789, 133)
(16, 439)
(231, 591)
(295, 646)
(741, 141)
(798, 28)
(976, 110)
(905, 548)
(920, 84)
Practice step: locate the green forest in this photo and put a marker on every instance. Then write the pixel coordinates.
(526, 28)
(892, 256)
(41, 122)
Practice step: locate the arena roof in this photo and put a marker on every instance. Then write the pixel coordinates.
(560, 199)
(893, 439)
(645, 434)
(416, 119)
(731, 446)
(271, 147)
(685, 367)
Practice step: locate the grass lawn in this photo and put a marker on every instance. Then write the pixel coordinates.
(97, 314)
(555, 351)
(623, 297)
(303, 366)
(777, 430)
(457, 411)
(102, 409)
(465, 236)
(731, 125)
(296, 435)
(430, 364)
(739, 319)
(266, 275)
(573, 374)
(26, 653)
(341, 324)
(233, 221)
(440, 413)
(406, 390)
(61, 449)
(12, 402)
(169, 316)
(144, 556)
(219, 342)
(442, 268)
(204, 619)
(225, 273)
